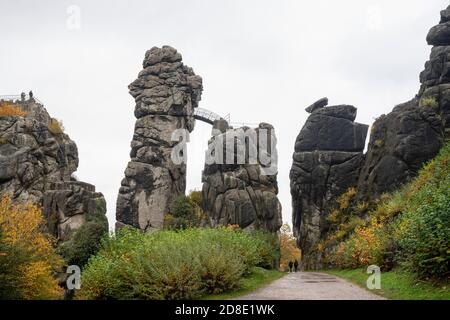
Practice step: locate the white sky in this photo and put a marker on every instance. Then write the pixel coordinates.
(261, 61)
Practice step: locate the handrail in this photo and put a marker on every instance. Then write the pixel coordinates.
(206, 115)
(209, 117)
(17, 98)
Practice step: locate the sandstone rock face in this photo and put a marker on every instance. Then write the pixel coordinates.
(166, 93)
(321, 103)
(332, 128)
(67, 206)
(403, 140)
(37, 163)
(400, 143)
(326, 162)
(242, 192)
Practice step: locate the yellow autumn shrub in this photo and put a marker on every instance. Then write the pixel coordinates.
(55, 126)
(23, 230)
(346, 198)
(369, 244)
(8, 109)
(288, 247)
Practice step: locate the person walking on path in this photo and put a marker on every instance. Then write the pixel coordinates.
(290, 266)
(296, 265)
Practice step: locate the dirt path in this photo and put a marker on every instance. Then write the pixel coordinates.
(311, 286)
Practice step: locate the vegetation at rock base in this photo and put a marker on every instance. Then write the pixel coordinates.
(288, 247)
(184, 264)
(408, 228)
(9, 110)
(85, 242)
(28, 260)
(185, 212)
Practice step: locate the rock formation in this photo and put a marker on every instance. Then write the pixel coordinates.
(326, 162)
(37, 161)
(403, 140)
(400, 143)
(241, 192)
(166, 93)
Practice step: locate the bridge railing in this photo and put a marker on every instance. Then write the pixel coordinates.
(209, 117)
(206, 115)
(243, 124)
(17, 98)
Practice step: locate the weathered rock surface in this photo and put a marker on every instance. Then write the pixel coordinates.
(403, 140)
(241, 192)
(36, 165)
(439, 35)
(166, 93)
(69, 205)
(332, 128)
(321, 103)
(327, 161)
(400, 143)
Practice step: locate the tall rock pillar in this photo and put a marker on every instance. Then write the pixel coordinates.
(243, 192)
(166, 93)
(327, 161)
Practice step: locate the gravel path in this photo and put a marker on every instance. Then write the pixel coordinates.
(311, 286)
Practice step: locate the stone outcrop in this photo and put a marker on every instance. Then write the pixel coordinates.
(242, 192)
(37, 162)
(321, 103)
(69, 205)
(166, 93)
(400, 143)
(326, 162)
(403, 140)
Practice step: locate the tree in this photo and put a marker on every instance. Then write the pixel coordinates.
(185, 212)
(28, 259)
(288, 247)
(85, 242)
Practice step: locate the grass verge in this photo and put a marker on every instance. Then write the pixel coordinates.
(257, 278)
(398, 285)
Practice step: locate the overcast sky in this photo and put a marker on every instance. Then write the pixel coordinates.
(261, 61)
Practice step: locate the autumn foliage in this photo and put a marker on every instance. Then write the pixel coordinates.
(288, 247)
(27, 257)
(55, 126)
(8, 109)
(409, 227)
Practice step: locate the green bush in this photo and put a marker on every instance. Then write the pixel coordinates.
(85, 242)
(423, 230)
(182, 264)
(10, 257)
(410, 227)
(185, 212)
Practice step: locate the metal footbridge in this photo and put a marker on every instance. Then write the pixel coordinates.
(208, 116)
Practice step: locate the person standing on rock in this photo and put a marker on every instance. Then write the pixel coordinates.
(290, 266)
(295, 265)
